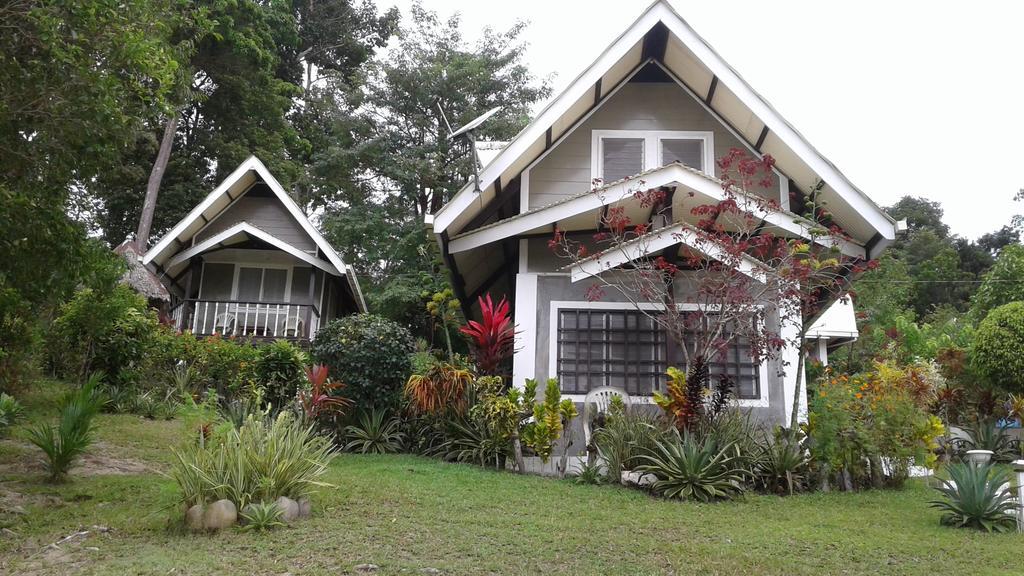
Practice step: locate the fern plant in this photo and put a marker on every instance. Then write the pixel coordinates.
(375, 433)
(65, 443)
(693, 469)
(261, 516)
(977, 496)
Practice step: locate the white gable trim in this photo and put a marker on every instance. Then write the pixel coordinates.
(661, 11)
(252, 163)
(252, 231)
(655, 242)
(534, 130)
(623, 190)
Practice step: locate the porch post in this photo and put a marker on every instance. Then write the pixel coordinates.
(524, 358)
(187, 305)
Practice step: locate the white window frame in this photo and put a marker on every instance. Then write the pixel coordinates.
(264, 266)
(558, 305)
(652, 147)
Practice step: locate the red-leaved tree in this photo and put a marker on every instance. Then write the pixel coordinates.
(492, 339)
(720, 268)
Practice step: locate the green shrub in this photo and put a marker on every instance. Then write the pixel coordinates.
(693, 469)
(258, 462)
(975, 498)
(279, 371)
(998, 351)
(226, 365)
(10, 412)
(870, 428)
(370, 355)
(376, 433)
(73, 434)
(20, 338)
(106, 330)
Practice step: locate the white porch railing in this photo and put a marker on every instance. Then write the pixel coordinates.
(253, 319)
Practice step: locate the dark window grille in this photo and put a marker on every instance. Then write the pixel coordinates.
(629, 350)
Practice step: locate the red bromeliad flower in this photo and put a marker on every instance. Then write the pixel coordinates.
(493, 338)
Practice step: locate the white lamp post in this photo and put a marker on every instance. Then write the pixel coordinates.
(978, 457)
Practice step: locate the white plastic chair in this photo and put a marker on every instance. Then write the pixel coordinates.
(224, 324)
(601, 399)
(290, 326)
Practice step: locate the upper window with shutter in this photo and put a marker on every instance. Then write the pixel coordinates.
(619, 154)
(621, 158)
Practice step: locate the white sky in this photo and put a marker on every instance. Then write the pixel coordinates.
(905, 97)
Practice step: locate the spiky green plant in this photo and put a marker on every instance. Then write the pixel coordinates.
(781, 464)
(10, 412)
(693, 469)
(261, 516)
(376, 433)
(65, 443)
(990, 435)
(260, 461)
(977, 496)
(590, 473)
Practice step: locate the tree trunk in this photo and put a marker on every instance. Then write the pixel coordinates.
(567, 438)
(794, 418)
(517, 447)
(163, 155)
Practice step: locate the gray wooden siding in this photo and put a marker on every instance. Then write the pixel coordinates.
(265, 213)
(565, 171)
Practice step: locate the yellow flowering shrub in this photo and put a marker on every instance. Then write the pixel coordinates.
(875, 425)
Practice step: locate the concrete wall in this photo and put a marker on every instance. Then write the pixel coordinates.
(558, 288)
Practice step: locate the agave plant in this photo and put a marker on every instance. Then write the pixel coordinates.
(491, 339)
(693, 469)
(977, 496)
(376, 433)
(471, 440)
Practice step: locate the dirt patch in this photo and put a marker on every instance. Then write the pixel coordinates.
(67, 555)
(98, 461)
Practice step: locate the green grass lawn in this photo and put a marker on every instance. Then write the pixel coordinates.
(406, 513)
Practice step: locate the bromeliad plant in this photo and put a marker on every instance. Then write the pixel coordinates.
(976, 496)
(493, 338)
(375, 433)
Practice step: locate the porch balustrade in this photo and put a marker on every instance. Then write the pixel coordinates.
(251, 319)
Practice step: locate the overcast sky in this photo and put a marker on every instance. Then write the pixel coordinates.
(905, 97)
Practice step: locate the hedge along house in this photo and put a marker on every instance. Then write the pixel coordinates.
(247, 262)
(658, 105)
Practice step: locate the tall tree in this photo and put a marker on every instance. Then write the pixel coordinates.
(248, 79)
(76, 79)
(407, 166)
